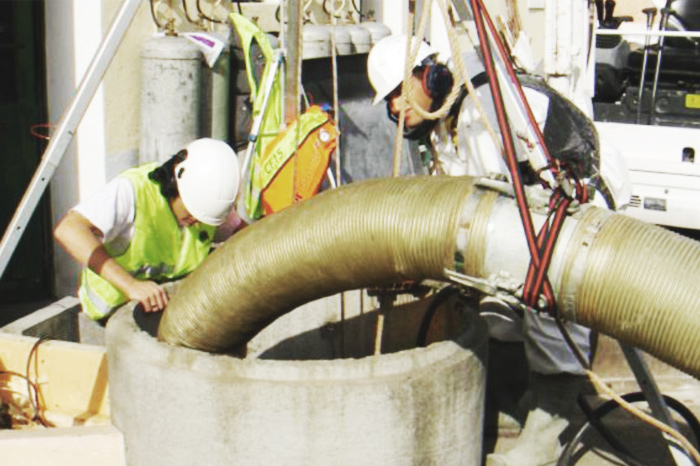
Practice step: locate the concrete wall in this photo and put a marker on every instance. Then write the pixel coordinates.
(122, 85)
(72, 398)
(61, 81)
(71, 379)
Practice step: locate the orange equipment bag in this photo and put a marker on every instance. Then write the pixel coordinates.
(290, 173)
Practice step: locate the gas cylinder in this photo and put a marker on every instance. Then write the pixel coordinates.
(170, 96)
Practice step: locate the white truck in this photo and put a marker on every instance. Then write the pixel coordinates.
(650, 112)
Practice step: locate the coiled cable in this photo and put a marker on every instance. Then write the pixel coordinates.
(596, 415)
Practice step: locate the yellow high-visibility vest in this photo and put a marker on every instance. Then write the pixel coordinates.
(159, 250)
(253, 39)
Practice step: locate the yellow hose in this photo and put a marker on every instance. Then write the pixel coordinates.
(360, 235)
(633, 281)
(642, 286)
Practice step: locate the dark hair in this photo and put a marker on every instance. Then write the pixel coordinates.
(164, 175)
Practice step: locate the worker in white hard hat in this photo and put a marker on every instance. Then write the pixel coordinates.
(459, 141)
(151, 224)
(432, 81)
(460, 145)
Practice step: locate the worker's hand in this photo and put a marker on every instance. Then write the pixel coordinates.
(151, 295)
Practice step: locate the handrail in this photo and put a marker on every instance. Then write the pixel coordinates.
(631, 32)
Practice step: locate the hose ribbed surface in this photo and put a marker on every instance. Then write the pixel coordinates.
(641, 285)
(363, 234)
(478, 230)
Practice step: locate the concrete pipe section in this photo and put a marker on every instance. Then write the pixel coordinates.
(310, 392)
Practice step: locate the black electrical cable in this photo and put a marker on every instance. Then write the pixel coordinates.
(440, 297)
(578, 354)
(595, 417)
(359, 12)
(619, 449)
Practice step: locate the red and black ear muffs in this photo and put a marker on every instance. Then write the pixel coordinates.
(436, 79)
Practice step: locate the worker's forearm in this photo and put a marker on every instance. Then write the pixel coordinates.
(110, 270)
(82, 241)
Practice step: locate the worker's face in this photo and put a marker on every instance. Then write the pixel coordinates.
(184, 218)
(418, 96)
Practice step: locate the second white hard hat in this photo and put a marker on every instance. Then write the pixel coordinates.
(208, 180)
(386, 63)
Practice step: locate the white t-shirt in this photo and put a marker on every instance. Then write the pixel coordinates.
(112, 210)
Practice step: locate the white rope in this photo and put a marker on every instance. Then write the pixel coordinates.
(411, 53)
(336, 107)
(462, 73)
(461, 79)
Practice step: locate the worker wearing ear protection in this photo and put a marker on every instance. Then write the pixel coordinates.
(460, 142)
(461, 145)
(430, 80)
(151, 224)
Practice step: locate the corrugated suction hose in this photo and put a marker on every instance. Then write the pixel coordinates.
(364, 234)
(641, 285)
(633, 281)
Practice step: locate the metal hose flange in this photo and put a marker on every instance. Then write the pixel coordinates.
(641, 285)
(368, 233)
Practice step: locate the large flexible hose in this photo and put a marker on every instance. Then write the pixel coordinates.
(359, 235)
(642, 285)
(630, 280)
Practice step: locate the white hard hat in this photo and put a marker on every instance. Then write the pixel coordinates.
(208, 180)
(386, 63)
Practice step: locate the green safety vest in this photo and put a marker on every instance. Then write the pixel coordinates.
(160, 250)
(250, 34)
